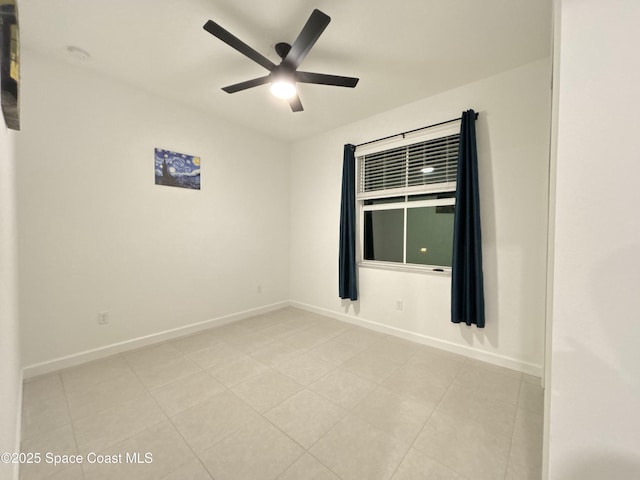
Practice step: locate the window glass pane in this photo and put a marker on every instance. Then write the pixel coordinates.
(384, 235)
(430, 235)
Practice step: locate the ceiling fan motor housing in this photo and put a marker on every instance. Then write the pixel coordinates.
(282, 49)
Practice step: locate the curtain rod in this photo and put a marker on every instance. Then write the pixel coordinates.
(412, 131)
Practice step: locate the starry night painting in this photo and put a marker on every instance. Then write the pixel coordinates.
(177, 169)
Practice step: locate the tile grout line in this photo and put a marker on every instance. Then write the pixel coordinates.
(265, 418)
(451, 382)
(170, 420)
(423, 426)
(506, 471)
(73, 428)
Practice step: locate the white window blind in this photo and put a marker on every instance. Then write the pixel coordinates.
(426, 166)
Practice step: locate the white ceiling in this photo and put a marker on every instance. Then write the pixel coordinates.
(401, 50)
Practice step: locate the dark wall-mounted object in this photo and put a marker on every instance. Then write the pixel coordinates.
(9, 63)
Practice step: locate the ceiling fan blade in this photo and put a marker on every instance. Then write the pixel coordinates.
(248, 84)
(310, 33)
(217, 31)
(295, 104)
(322, 79)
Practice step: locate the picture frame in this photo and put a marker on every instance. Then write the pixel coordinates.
(10, 63)
(174, 169)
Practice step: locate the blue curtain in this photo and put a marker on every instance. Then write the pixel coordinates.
(348, 283)
(467, 289)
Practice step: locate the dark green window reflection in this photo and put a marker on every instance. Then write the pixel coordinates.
(430, 235)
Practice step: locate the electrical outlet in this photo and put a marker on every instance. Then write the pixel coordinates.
(398, 304)
(103, 318)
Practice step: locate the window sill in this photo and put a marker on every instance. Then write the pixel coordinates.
(402, 267)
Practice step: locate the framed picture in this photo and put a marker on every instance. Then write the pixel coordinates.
(9, 63)
(175, 169)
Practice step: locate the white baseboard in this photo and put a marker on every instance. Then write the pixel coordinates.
(484, 356)
(101, 352)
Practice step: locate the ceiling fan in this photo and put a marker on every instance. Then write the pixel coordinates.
(284, 76)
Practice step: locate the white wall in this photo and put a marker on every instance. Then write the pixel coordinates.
(10, 376)
(594, 394)
(513, 144)
(97, 234)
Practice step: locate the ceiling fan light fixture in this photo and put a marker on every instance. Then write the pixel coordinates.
(284, 89)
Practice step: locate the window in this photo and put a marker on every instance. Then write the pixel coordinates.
(406, 198)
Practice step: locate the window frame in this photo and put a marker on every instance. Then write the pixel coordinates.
(406, 204)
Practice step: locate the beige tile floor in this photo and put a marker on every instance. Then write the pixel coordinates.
(287, 395)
